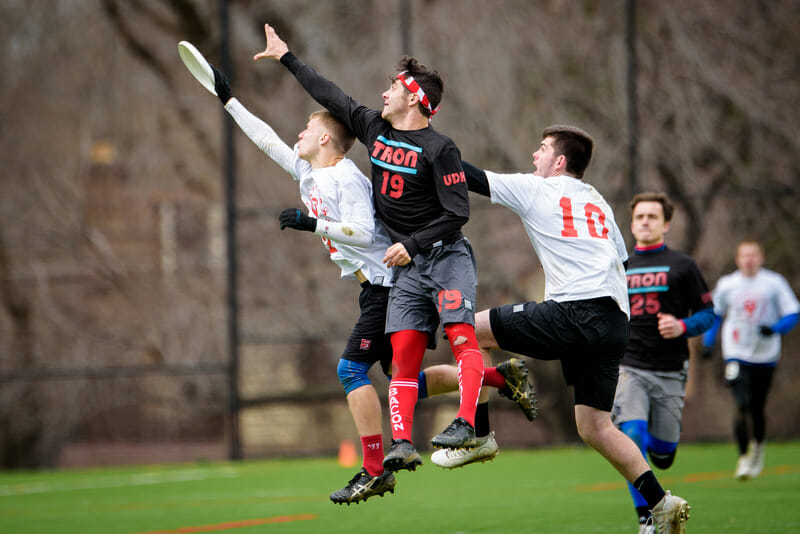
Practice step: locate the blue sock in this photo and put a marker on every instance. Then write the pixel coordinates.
(637, 431)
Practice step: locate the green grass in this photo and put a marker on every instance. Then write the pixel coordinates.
(568, 490)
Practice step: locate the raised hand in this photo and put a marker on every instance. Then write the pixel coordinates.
(275, 45)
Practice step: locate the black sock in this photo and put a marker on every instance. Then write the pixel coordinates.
(651, 490)
(642, 512)
(482, 427)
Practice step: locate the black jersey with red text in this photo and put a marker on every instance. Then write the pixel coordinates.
(418, 184)
(661, 281)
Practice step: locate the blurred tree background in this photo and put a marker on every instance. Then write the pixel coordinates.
(113, 311)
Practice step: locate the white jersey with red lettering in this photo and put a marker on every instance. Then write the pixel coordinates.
(336, 194)
(573, 231)
(747, 302)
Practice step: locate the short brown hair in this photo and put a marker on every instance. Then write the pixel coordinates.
(341, 136)
(574, 144)
(650, 196)
(428, 79)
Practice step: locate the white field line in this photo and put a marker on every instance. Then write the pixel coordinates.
(119, 481)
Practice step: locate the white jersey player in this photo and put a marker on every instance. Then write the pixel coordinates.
(339, 196)
(583, 321)
(339, 201)
(573, 231)
(758, 307)
(748, 303)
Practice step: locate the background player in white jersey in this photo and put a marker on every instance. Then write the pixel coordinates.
(339, 200)
(669, 303)
(583, 321)
(758, 307)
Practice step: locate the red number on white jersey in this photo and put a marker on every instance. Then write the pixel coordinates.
(591, 212)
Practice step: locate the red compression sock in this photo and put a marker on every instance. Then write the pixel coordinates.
(408, 347)
(492, 378)
(470, 367)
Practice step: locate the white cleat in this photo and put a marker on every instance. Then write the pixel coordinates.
(485, 449)
(756, 459)
(743, 468)
(670, 515)
(647, 528)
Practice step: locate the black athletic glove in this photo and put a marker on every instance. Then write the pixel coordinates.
(764, 330)
(221, 85)
(706, 352)
(294, 218)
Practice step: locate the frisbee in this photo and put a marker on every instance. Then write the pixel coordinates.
(197, 65)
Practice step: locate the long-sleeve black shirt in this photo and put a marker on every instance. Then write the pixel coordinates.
(418, 185)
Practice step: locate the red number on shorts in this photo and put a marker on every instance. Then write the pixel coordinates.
(590, 210)
(451, 298)
(642, 303)
(395, 181)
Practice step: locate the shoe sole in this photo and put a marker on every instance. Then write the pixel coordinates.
(356, 501)
(475, 461)
(397, 464)
(683, 517)
(524, 399)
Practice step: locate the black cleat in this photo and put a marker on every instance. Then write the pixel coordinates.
(518, 389)
(402, 455)
(363, 486)
(458, 435)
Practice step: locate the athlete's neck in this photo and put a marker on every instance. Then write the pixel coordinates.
(326, 161)
(413, 120)
(649, 248)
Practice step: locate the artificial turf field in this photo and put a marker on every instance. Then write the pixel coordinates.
(566, 490)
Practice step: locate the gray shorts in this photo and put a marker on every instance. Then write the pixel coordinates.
(652, 396)
(438, 287)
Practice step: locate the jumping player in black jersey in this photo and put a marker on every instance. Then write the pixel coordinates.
(420, 195)
(669, 303)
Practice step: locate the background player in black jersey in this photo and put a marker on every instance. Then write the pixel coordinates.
(669, 302)
(420, 195)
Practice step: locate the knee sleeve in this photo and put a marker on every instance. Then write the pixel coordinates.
(661, 453)
(637, 431)
(352, 374)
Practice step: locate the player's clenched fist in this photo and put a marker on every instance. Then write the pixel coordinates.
(396, 255)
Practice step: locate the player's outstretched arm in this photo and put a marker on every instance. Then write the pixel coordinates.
(276, 47)
(257, 130)
(264, 137)
(325, 92)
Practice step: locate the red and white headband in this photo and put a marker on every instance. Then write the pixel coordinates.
(411, 84)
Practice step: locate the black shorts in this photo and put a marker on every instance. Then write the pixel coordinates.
(588, 336)
(751, 385)
(368, 341)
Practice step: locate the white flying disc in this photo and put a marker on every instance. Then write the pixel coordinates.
(197, 65)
